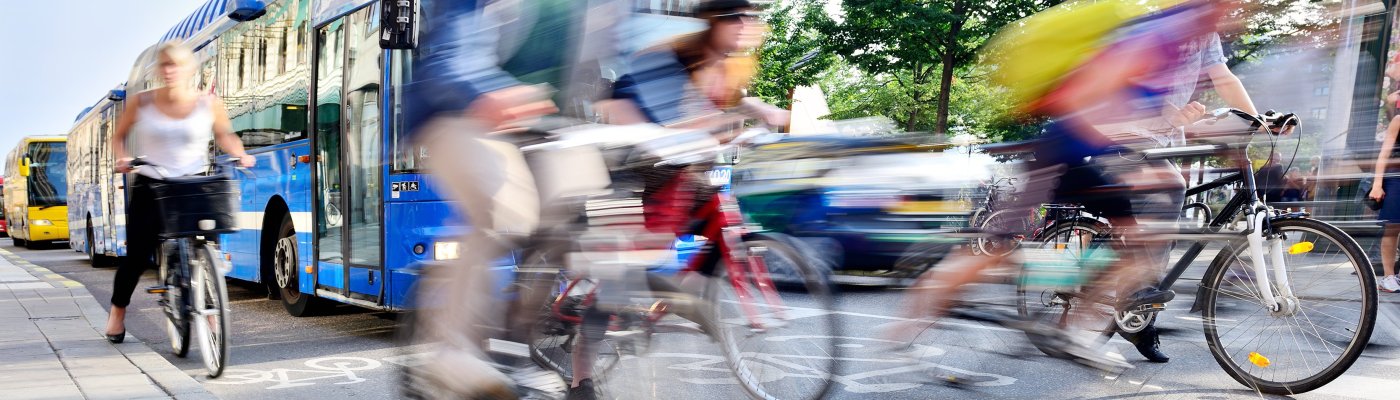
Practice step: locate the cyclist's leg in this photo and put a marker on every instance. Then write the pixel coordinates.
(489, 183)
(1161, 207)
(143, 227)
(929, 296)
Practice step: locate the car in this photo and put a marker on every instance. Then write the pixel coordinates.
(861, 201)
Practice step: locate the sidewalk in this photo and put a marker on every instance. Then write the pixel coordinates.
(51, 345)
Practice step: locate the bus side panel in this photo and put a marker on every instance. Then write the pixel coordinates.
(277, 174)
(409, 224)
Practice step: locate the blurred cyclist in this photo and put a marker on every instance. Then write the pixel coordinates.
(1124, 82)
(689, 82)
(481, 66)
(1195, 56)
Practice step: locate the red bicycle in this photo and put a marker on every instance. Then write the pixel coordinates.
(754, 292)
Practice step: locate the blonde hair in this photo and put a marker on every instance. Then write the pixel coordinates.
(179, 53)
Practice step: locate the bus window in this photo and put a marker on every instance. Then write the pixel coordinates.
(48, 174)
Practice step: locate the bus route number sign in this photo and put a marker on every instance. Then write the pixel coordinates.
(404, 186)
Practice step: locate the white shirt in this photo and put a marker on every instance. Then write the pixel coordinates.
(179, 146)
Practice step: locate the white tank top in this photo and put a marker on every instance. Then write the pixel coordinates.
(179, 146)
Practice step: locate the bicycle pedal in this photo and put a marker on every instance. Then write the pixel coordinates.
(1157, 307)
(157, 289)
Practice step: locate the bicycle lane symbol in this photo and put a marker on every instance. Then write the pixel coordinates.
(340, 369)
(885, 378)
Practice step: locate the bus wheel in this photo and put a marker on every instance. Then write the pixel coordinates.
(18, 242)
(94, 259)
(284, 268)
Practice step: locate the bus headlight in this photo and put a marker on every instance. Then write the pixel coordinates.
(41, 222)
(445, 250)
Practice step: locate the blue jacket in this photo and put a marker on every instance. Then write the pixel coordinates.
(456, 61)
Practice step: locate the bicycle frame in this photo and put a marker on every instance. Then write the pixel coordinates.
(1258, 236)
(724, 226)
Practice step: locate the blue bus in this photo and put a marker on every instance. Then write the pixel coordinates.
(337, 207)
(96, 202)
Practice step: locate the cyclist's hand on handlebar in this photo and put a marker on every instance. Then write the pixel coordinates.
(124, 165)
(1184, 116)
(247, 161)
(1377, 193)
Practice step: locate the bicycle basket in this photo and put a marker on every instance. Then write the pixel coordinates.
(197, 205)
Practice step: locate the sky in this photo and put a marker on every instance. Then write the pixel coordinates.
(60, 56)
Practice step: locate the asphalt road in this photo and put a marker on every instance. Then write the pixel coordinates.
(351, 353)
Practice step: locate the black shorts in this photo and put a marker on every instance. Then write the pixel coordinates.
(1083, 184)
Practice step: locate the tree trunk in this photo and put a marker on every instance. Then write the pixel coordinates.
(950, 48)
(913, 120)
(945, 92)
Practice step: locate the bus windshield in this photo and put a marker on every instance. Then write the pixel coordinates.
(48, 174)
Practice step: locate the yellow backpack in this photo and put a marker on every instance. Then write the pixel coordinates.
(1033, 54)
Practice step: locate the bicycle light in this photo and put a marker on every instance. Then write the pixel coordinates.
(445, 250)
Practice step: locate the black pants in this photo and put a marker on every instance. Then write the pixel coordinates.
(143, 226)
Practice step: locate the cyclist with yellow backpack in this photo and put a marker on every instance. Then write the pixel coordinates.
(1108, 74)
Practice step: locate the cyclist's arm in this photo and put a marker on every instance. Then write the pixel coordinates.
(1230, 89)
(223, 133)
(124, 123)
(1384, 157)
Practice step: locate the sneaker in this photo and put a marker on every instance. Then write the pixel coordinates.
(1390, 284)
(1148, 343)
(584, 391)
(1146, 296)
(1086, 348)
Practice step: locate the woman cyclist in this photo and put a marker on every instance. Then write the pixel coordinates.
(171, 128)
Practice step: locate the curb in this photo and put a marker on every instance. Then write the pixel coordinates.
(173, 381)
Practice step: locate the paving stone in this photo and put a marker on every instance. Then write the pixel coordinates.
(65, 391)
(126, 386)
(99, 366)
(24, 348)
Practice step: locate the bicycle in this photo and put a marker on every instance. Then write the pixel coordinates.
(192, 290)
(741, 306)
(992, 217)
(1283, 249)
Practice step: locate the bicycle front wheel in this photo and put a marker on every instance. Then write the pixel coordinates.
(210, 312)
(779, 343)
(1318, 332)
(176, 298)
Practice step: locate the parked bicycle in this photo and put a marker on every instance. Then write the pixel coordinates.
(192, 290)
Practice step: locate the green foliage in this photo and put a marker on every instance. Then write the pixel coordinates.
(1271, 24)
(920, 45)
(793, 39)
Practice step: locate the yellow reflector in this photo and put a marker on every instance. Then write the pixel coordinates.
(1300, 248)
(1259, 359)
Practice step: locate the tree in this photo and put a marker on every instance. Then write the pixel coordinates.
(921, 44)
(793, 54)
(1271, 23)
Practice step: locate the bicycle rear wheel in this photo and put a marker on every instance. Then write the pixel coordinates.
(554, 341)
(1050, 294)
(210, 312)
(1317, 334)
(1017, 223)
(779, 344)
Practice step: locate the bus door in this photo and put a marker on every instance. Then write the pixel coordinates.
(106, 178)
(349, 168)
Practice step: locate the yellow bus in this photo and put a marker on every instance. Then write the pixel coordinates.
(36, 190)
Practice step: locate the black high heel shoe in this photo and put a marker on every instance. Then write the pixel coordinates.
(117, 338)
